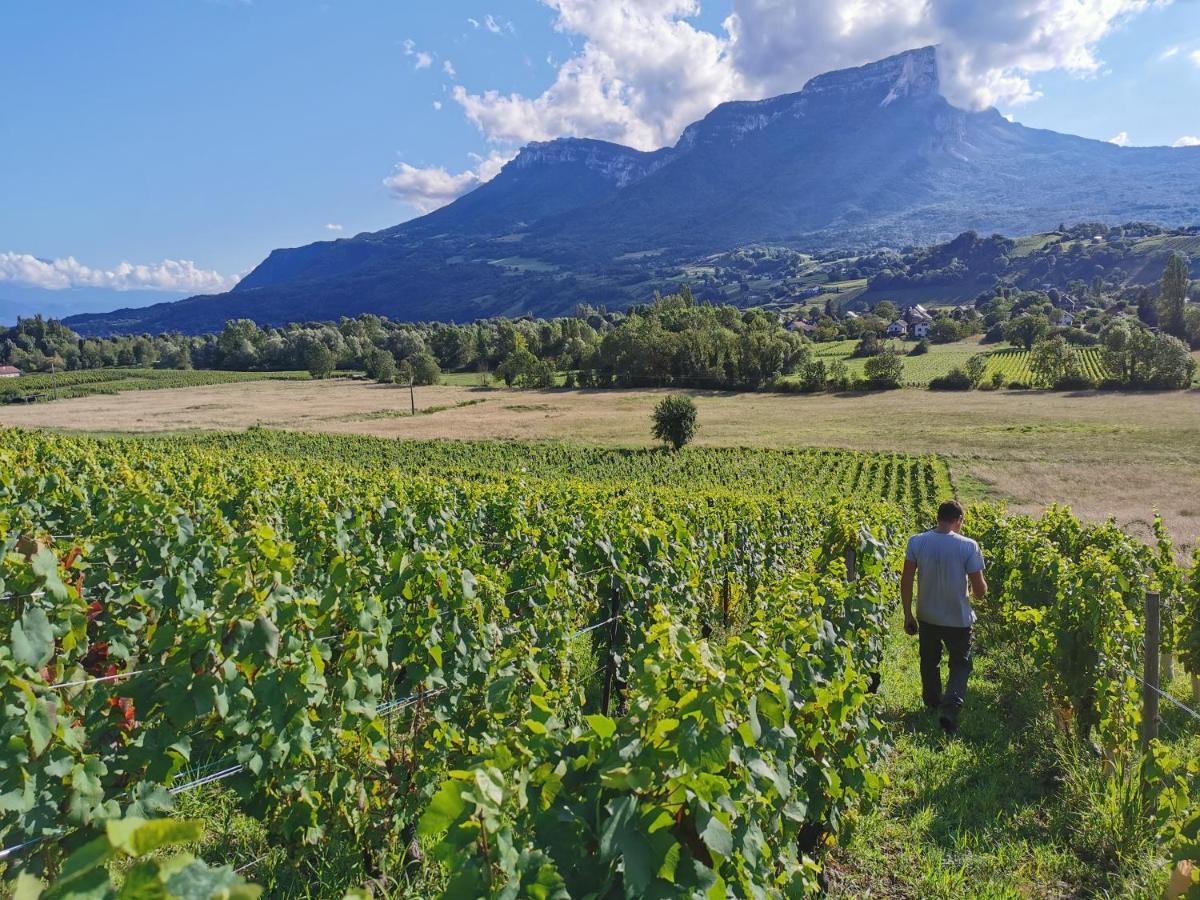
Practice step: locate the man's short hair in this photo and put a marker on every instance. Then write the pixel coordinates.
(950, 511)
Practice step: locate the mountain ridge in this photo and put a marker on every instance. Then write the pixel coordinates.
(869, 156)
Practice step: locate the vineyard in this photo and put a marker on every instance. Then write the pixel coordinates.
(913, 482)
(466, 669)
(86, 382)
(1013, 365)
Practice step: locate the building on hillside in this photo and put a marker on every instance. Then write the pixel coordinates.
(9, 372)
(851, 314)
(1067, 318)
(921, 330)
(899, 328)
(914, 314)
(799, 325)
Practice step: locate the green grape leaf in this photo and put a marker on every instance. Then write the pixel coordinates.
(444, 809)
(33, 639)
(602, 725)
(199, 881)
(138, 836)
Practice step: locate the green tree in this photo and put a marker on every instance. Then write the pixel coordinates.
(814, 376)
(675, 420)
(945, 331)
(975, 368)
(381, 366)
(1050, 360)
(1174, 296)
(424, 368)
(318, 359)
(839, 376)
(885, 370)
(515, 366)
(1026, 330)
(1137, 357)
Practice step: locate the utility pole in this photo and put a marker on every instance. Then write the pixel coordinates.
(412, 398)
(54, 379)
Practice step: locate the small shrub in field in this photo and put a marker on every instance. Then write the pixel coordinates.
(920, 349)
(675, 420)
(954, 380)
(1075, 380)
(839, 376)
(884, 371)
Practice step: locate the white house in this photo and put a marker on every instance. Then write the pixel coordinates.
(1067, 318)
(899, 328)
(917, 313)
(9, 372)
(921, 329)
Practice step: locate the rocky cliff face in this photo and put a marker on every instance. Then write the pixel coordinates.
(613, 162)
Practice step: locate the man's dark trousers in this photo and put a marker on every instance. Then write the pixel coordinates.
(958, 645)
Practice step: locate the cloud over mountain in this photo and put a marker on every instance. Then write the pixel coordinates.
(431, 187)
(180, 275)
(645, 70)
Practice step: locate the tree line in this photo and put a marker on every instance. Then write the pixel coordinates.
(674, 341)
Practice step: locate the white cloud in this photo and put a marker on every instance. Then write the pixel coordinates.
(1187, 141)
(428, 188)
(474, 23)
(1121, 140)
(643, 74)
(497, 26)
(1194, 56)
(448, 68)
(437, 104)
(987, 51)
(332, 226)
(645, 70)
(421, 59)
(180, 275)
(1169, 53)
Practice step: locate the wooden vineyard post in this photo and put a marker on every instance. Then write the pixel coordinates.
(851, 563)
(1150, 676)
(610, 667)
(725, 601)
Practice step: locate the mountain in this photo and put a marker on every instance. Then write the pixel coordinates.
(865, 157)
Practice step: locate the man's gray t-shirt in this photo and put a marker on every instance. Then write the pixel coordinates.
(943, 563)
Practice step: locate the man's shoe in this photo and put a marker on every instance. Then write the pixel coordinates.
(948, 725)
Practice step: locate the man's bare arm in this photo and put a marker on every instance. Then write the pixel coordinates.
(978, 585)
(906, 592)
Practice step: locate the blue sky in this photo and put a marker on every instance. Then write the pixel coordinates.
(190, 137)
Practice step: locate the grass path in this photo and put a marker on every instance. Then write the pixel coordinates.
(975, 815)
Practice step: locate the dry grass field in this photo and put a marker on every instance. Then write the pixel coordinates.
(1120, 455)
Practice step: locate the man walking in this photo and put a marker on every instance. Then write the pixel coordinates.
(944, 562)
